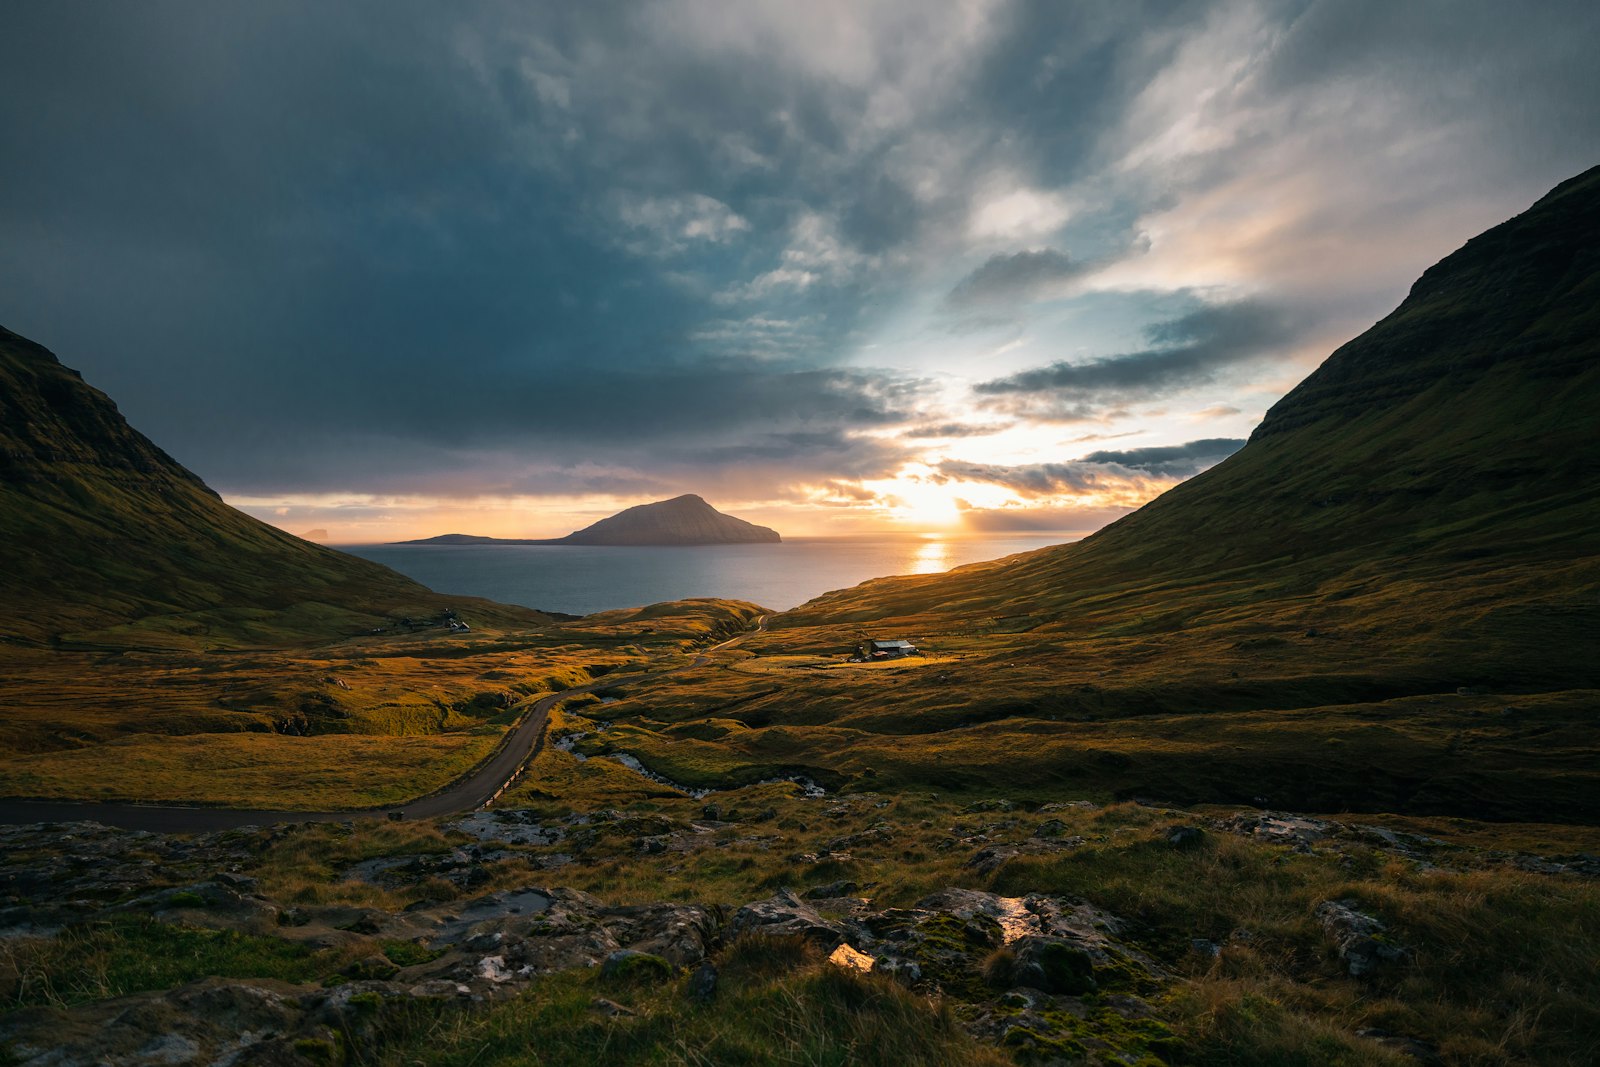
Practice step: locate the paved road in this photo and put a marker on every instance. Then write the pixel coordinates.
(467, 794)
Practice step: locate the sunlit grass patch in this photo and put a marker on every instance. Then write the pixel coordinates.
(250, 770)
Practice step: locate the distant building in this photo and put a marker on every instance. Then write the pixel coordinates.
(890, 649)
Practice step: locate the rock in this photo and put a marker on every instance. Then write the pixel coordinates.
(703, 982)
(1053, 965)
(1296, 831)
(1010, 915)
(876, 835)
(679, 933)
(906, 972)
(818, 858)
(241, 882)
(851, 959)
(1361, 940)
(989, 859)
(988, 805)
(494, 969)
(1050, 828)
(1208, 949)
(1183, 836)
(785, 914)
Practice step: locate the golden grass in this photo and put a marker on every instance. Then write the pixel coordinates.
(249, 770)
(357, 723)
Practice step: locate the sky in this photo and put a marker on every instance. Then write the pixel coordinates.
(386, 269)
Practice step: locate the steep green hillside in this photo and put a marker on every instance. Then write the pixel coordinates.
(109, 541)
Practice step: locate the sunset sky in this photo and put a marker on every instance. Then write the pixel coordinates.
(393, 269)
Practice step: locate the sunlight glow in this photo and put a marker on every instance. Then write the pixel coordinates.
(932, 557)
(925, 503)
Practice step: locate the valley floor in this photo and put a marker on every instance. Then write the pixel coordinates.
(735, 848)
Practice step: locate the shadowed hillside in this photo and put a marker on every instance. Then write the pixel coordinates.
(109, 541)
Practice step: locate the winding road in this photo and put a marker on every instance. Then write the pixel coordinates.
(487, 781)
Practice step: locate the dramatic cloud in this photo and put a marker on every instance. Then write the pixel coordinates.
(945, 430)
(1183, 351)
(1044, 479)
(390, 247)
(1172, 461)
(1118, 478)
(1007, 279)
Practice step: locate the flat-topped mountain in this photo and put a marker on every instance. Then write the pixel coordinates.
(683, 520)
(110, 541)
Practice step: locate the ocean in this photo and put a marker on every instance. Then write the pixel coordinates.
(584, 579)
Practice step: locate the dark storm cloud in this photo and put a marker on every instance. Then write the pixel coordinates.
(1098, 471)
(940, 430)
(1042, 479)
(312, 247)
(1183, 351)
(1007, 279)
(1172, 461)
(461, 442)
(486, 246)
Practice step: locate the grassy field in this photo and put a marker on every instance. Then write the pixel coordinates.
(357, 723)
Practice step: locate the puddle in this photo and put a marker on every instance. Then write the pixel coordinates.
(507, 828)
(495, 906)
(371, 871)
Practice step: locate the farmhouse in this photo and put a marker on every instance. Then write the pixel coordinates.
(890, 649)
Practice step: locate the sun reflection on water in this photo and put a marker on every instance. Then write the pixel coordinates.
(931, 557)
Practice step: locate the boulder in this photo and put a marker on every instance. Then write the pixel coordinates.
(703, 982)
(784, 915)
(1361, 940)
(1183, 836)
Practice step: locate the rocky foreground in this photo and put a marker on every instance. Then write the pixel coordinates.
(1042, 977)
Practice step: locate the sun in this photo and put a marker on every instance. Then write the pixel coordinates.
(925, 503)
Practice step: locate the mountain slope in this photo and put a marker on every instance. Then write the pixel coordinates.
(110, 541)
(683, 520)
(1432, 483)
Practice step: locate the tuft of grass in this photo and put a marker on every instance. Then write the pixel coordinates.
(788, 1008)
(113, 958)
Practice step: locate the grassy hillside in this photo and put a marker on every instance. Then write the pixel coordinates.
(110, 542)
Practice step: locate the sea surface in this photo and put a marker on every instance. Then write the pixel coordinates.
(582, 579)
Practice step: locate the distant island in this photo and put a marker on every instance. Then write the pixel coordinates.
(683, 520)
